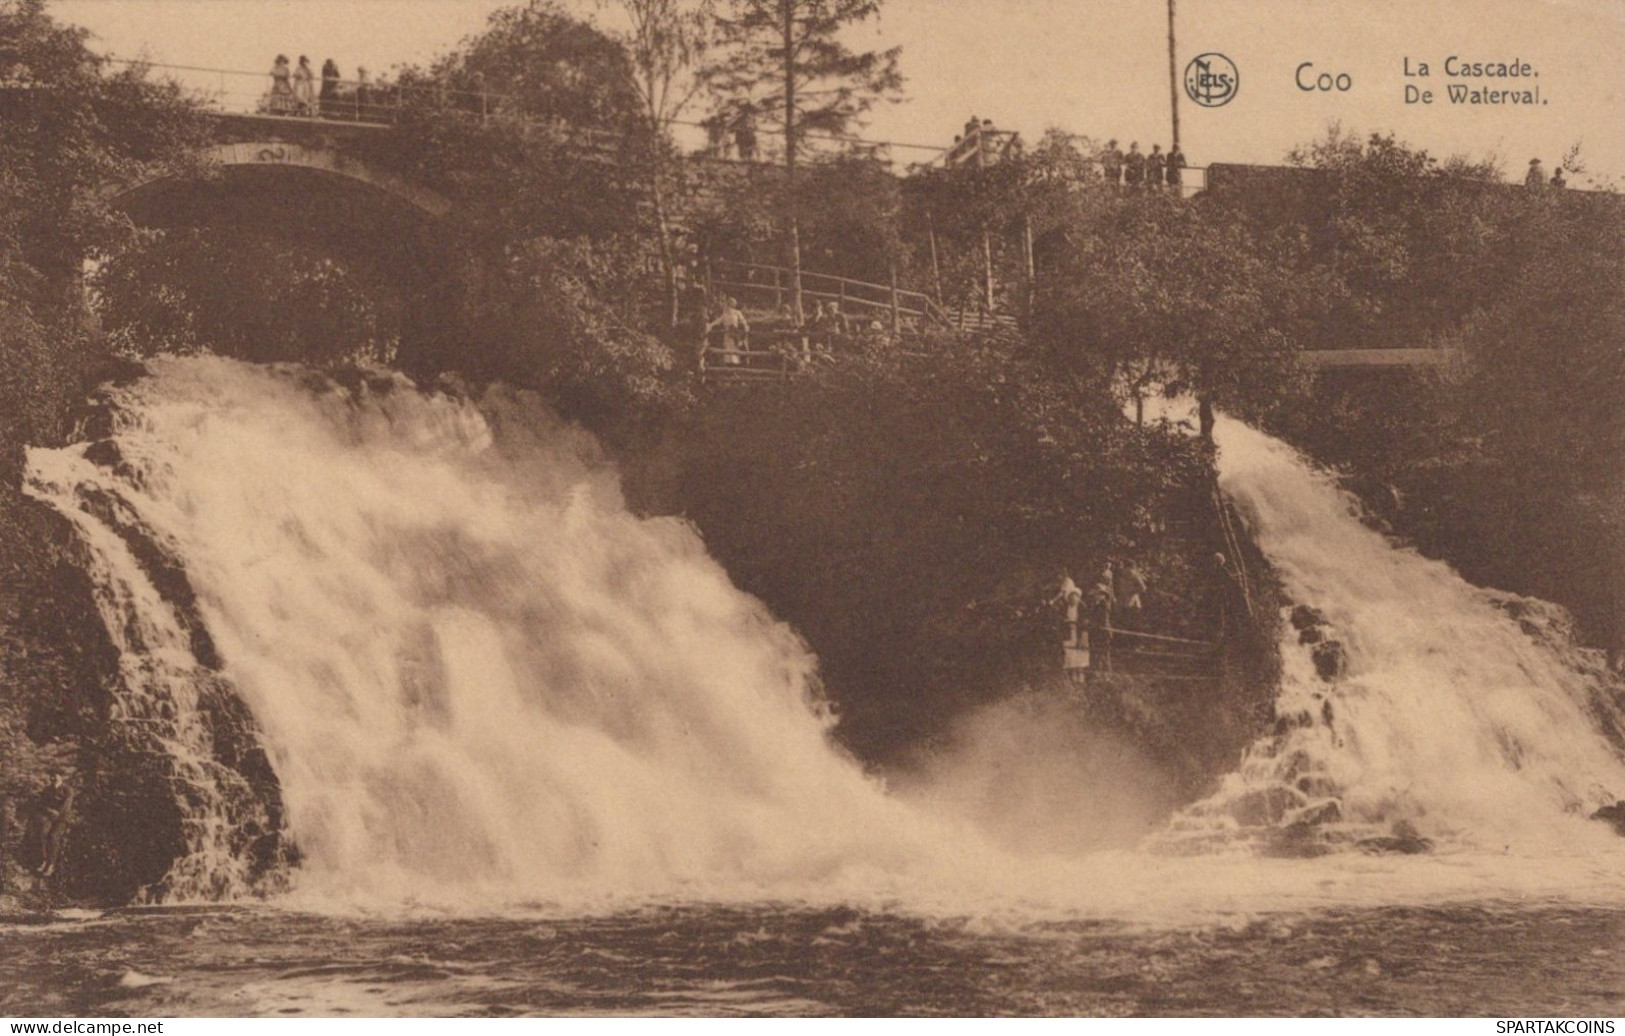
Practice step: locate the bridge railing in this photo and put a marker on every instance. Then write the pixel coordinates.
(238, 92)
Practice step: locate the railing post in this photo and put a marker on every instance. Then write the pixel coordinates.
(896, 317)
(936, 270)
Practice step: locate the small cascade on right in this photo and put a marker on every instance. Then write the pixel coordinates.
(1415, 710)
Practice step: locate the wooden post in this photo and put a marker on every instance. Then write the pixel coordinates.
(936, 270)
(896, 317)
(1027, 257)
(987, 269)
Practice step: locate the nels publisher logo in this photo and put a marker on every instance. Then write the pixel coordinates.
(1211, 80)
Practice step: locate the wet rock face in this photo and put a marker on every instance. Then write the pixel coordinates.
(61, 693)
(1304, 618)
(1314, 631)
(56, 699)
(1331, 660)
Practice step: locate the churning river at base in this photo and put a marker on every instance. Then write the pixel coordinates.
(539, 756)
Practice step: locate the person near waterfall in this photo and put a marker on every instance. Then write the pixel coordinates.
(1129, 590)
(54, 815)
(1069, 598)
(1102, 597)
(735, 331)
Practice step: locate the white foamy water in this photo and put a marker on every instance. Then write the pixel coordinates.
(473, 668)
(1467, 715)
(482, 681)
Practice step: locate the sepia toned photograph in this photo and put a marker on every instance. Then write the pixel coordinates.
(812, 508)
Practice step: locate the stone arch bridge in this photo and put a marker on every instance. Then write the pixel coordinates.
(301, 180)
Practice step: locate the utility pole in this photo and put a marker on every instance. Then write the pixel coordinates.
(1173, 74)
(788, 9)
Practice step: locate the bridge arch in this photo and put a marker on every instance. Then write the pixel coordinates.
(314, 194)
(277, 154)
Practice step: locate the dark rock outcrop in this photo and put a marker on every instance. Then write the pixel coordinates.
(1404, 838)
(1614, 816)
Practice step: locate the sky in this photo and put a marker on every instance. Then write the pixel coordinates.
(1094, 67)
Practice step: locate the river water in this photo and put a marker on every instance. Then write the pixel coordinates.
(778, 959)
(539, 756)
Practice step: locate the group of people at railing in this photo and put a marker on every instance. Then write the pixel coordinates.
(1116, 605)
(294, 91)
(1137, 170)
(781, 339)
(982, 144)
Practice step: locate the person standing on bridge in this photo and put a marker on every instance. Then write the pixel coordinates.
(304, 87)
(365, 109)
(1557, 178)
(281, 101)
(1176, 167)
(1134, 166)
(1111, 163)
(330, 87)
(1156, 165)
(1536, 177)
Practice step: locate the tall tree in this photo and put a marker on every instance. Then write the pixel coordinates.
(1162, 296)
(785, 65)
(665, 40)
(538, 61)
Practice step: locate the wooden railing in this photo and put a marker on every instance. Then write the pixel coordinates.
(1109, 650)
(719, 365)
(900, 308)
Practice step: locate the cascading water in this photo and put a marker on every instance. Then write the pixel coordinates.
(1458, 714)
(479, 679)
(472, 667)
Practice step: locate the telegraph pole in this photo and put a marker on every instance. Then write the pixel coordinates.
(1173, 74)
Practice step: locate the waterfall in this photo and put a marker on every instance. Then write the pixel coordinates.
(471, 666)
(478, 677)
(1455, 713)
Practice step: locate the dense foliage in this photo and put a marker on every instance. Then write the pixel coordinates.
(911, 516)
(72, 124)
